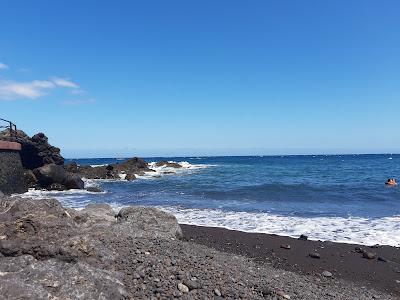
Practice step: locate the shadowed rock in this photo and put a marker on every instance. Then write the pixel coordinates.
(168, 164)
(36, 151)
(52, 174)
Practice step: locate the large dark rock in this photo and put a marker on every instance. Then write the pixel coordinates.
(151, 220)
(49, 174)
(72, 167)
(46, 254)
(133, 166)
(168, 164)
(56, 174)
(36, 151)
(30, 179)
(73, 181)
(100, 172)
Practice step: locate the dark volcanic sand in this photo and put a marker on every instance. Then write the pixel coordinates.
(340, 259)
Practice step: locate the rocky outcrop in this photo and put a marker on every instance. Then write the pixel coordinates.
(55, 177)
(100, 172)
(151, 220)
(47, 251)
(36, 151)
(51, 252)
(130, 168)
(168, 164)
(43, 163)
(133, 165)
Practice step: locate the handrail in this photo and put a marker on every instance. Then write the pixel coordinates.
(11, 127)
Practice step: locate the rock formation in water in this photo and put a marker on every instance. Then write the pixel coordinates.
(44, 166)
(130, 168)
(36, 150)
(43, 163)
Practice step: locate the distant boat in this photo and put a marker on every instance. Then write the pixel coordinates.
(390, 158)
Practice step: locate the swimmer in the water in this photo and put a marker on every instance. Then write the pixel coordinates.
(391, 182)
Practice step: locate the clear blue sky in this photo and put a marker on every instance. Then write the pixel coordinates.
(117, 78)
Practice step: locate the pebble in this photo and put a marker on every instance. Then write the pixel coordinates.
(380, 258)
(359, 250)
(303, 237)
(192, 284)
(315, 255)
(285, 247)
(282, 294)
(183, 288)
(326, 274)
(369, 255)
(217, 292)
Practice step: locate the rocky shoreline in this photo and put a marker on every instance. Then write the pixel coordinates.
(48, 251)
(44, 168)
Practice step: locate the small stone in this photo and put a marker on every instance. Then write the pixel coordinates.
(359, 250)
(217, 292)
(147, 253)
(331, 294)
(369, 255)
(314, 255)
(303, 237)
(282, 294)
(94, 189)
(285, 246)
(183, 288)
(380, 258)
(192, 284)
(326, 274)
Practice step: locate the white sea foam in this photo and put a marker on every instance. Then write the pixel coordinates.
(95, 166)
(383, 231)
(159, 171)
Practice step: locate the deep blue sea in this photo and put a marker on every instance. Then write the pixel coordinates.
(328, 197)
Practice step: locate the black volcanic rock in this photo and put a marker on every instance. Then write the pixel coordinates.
(72, 167)
(56, 174)
(168, 164)
(99, 172)
(36, 151)
(133, 165)
(73, 181)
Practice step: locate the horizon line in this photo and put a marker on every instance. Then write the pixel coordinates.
(242, 155)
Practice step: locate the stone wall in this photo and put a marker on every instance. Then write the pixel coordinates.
(11, 172)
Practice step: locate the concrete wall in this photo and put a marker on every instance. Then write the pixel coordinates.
(11, 172)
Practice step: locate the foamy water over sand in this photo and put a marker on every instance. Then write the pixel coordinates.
(337, 198)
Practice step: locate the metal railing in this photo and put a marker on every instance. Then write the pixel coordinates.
(12, 128)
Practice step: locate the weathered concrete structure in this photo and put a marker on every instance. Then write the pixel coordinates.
(11, 170)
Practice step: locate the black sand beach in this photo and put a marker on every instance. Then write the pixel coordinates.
(343, 261)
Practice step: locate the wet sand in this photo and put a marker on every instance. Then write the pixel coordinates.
(344, 261)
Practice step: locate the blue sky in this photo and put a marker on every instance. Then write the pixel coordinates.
(121, 78)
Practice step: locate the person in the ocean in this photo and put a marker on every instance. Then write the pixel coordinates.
(391, 182)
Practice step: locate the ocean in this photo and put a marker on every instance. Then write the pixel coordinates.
(339, 198)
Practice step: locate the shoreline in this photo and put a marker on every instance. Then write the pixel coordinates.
(342, 260)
